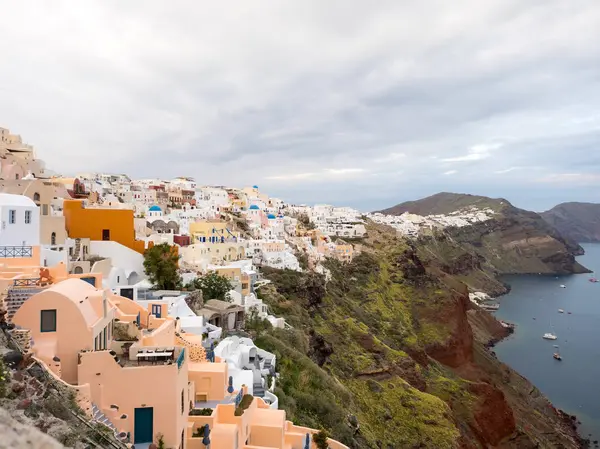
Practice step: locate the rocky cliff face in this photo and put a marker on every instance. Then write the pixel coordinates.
(513, 241)
(579, 222)
(404, 361)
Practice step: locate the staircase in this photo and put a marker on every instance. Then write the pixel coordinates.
(101, 418)
(258, 390)
(16, 297)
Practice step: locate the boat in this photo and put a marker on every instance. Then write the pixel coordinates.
(549, 336)
(569, 313)
(557, 356)
(594, 280)
(561, 311)
(563, 286)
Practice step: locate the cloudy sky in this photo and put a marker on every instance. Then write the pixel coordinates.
(350, 102)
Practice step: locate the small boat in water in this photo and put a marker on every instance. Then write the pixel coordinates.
(549, 336)
(569, 313)
(557, 356)
(594, 280)
(563, 286)
(561, 311)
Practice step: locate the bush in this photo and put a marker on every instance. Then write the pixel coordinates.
(244, 404)
(4, 379)
(201, 412)
(320, 439)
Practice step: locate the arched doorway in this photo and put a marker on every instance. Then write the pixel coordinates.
(78, 270)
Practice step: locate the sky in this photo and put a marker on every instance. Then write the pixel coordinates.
(348, 102)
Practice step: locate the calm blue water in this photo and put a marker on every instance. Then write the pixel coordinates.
(571, 385)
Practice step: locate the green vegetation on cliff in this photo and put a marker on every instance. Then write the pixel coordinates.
(382, 355)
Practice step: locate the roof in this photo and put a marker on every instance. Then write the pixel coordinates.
(155, 209)
(254, 207)
(217, 304)
(8, 199)
(83, 295)
(271, 217)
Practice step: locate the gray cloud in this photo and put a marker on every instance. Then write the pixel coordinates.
(351, 102)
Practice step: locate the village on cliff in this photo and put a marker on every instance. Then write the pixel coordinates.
(141, 359)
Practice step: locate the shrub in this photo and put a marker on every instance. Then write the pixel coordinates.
(320, 439)
(244, 404)
(201, 412)
(4, 379)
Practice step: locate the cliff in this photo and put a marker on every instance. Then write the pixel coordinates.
(578, 221)
(513, 241)
(388, 354)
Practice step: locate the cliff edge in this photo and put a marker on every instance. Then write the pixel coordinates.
(388, 353)
(579, 222)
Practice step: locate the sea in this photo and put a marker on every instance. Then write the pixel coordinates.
(572, 384)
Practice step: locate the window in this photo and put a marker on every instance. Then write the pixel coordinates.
(27, 217)
(53, 238)
(48, 321)
(44, 209)
(36, 196)
(12, 216)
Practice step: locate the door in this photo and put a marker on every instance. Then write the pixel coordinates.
(106, 234)
(143, 425)
(156, 309)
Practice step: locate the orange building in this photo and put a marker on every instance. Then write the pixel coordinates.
(101, 224)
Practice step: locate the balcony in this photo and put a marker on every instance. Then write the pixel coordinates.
(16, 251)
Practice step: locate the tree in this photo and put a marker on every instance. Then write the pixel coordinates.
(256, 324)
(320, 439)
(213, 286)
(160, 265)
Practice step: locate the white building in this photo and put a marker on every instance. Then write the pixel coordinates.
(20, 218)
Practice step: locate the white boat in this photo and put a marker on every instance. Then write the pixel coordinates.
(563, 286)
(561, 311)
(549, 336)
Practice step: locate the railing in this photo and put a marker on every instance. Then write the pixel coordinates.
(16, 251)
(181, 358)
(26, 282)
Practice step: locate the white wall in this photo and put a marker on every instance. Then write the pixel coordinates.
(19, 233)
(121, 256)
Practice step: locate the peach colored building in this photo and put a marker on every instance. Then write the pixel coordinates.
(344, 252)
(144, 376)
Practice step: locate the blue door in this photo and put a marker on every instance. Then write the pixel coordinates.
(156, 309)
(143, 425)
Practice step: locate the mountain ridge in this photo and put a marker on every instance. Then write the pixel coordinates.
(511, 241)
(578, 221)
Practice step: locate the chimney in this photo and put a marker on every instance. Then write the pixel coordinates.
(104, 303)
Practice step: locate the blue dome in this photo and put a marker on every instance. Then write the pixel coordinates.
(155, 209)
(255, 187)
(254, 207)
(271, 217)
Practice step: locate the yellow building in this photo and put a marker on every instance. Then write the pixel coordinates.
(212, 231)
(344, 252)
(101, 224)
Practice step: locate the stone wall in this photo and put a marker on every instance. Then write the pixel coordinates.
(197, 353)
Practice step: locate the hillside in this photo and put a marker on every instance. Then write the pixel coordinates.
(446, 203)
(578, 221)
(513, 241)
(388, 354)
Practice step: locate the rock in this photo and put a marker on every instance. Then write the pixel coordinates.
(12, 359)
(17, 435)
(25, 403)
(374, 386)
